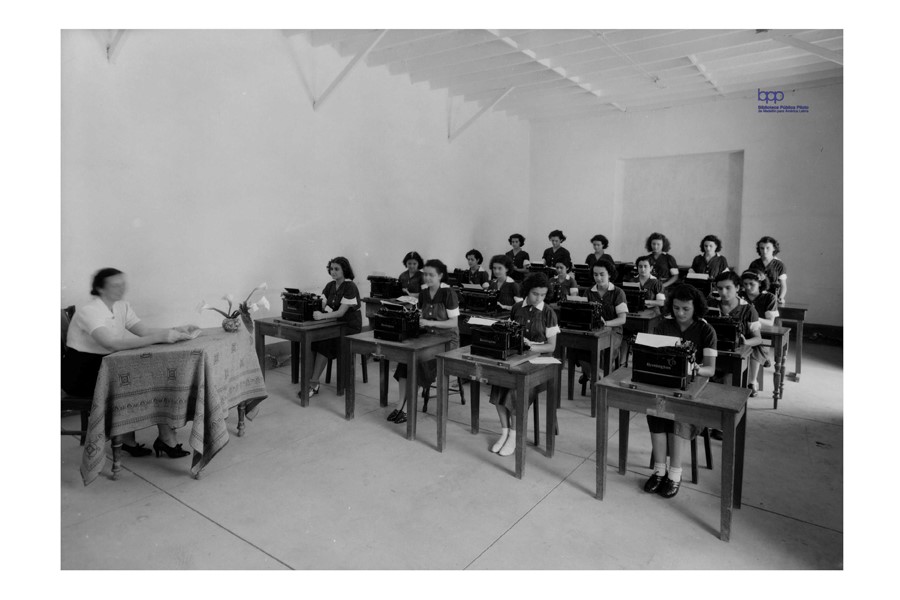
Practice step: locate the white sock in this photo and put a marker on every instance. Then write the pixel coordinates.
(510, 446)
(659, 468)
(675, 474)
(504, 433)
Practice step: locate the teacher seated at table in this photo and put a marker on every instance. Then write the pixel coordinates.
(105, 325)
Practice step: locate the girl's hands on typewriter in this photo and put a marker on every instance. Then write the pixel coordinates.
(318, 315)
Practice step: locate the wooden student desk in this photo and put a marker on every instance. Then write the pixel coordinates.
(778, 337)
(420, 349)
(593, 341)
(301, 335)
(717, 406)
(735, 363)
(523, 378)
(796, 314)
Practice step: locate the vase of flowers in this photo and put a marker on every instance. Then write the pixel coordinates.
(234, 318)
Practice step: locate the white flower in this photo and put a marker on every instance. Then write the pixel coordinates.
(264, 302)
(253, 308)
(263, 286)
(203, 305)
(228, 298)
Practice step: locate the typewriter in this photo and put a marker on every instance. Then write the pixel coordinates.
(395, 321)
(499, 340)
(624, 271)
(582, 316)
(670, 366)
(385, 287)
(583, 275)
(539, 268)
(299, 306)
(728, 332)
(456, 278)
(479, 301)
(634, 296)
(700, 281)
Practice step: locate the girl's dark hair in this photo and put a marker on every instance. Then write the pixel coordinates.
(606, 264)
(344, 264)
(517, 235)
(729, 276)
(657, 236)
(766, 239)
(602, 239)
(647, 258)
(535, 280)
(503, 260)
(688, 293)
(100, 277)
(557, 233)
(413, 256)
(478, 257)
(565, 261)
(438, 266)
(755, 275)
(713, 239)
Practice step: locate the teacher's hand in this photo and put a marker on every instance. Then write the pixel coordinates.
(173, 335)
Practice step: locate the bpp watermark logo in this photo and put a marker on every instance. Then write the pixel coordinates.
(773, 96)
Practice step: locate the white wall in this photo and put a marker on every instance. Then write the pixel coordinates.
(792, 183)
(196, 164)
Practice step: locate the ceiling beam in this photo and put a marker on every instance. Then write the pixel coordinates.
(452, 135)
(347, 69)
(835, 57)
(704, 72)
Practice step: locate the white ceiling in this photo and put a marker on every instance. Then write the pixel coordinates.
(549, 74)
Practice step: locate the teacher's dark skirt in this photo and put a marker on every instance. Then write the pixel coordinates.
(79, 372)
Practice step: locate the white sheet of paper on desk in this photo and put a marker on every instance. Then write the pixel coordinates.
(481, 321)
(544, 360)
(471, 286)
(576, 299)
(631, 284)
(697, 276)
(656, 341)
(407, 299)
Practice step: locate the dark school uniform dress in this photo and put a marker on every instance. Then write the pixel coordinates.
(478, 277)
(518, 263)
(703, 336)
(661, 267)
(442, 307)
(592, 259)
(335, 296)
(765, 303)
(540, 324)
(560, 289)
(551, 258)
(612, 302)
(717, 264)
(651, 288)
(509, 291)
(411, 283)
(773, 271)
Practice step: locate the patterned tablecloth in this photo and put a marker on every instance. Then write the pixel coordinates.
(162, 384)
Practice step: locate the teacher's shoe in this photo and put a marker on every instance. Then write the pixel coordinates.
(652, 485)
(137, 450)
(669, 488)
(393, 415)
(171, 451)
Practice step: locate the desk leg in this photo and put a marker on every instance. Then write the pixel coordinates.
(571, 364)
(342, 368)
(443, 383)
(799, 349)
(728, 455)
(624, 423)
(350, 390)
(242, 412)
(475, 400)
(117, 459)
(305, 370)
(778, 382)
(295, 362)
(521, 425)
(601, 441)
(385, 381)
(595, 374)
(552, 395)
(739, 459)
(261, 349)
(412, 397)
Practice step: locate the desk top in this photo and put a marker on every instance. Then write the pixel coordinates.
(797, 311)
(459, 354)
(714, 395)
(647, 313)
(416, 343)
(305, 325)
(597, 333)
(773, 330)
(743, 351)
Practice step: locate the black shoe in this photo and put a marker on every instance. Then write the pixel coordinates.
(767, 364)
(171, 451)
(653, 483)
(753, 392)
(137, 450)
(393, 415)
(401, 417)
(583, 378)
(313, 390)
(715, 434)
(669, 488)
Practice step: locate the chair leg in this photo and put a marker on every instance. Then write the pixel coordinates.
(364, 359)
(84, 425)
(426, 392)
(695, 476)
(760, 377)
(462, 393)
(328, 373)
(706, 446)
(537, 419)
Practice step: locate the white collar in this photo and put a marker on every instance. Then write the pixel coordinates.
(443, 285)
(536, 306)
(609, 286)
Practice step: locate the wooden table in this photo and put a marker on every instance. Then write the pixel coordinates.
(735, 363)
(640, 322)
(409, 352)
(523, 378)
(716, 406)
(301, 335)
(779, 338)
(197, 381)
(594, 342)
(796, 314)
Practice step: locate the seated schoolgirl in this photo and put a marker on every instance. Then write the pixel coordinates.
(654, 296)
(519, 257)
(411, 278)
(600, 244)
(768, 262)
(686, 307)
(475, 274)
(731, 304)
(709, 261)
(564, 283)
(501, 265)
(439, 316)
(613, 308)
(556, 252)
(754, 285)
(541, 329)
(340, 301)
(664, 265)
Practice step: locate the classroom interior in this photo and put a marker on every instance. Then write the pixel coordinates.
(195, 162)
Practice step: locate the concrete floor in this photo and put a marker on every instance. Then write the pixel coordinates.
(305, 489)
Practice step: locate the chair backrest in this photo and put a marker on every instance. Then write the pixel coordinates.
(67, 314)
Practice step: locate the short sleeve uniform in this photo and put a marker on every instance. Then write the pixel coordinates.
(765, 304)
(518, 260)
(591, 259)
(561, 255)
(443, 306)
(703, 336)
(411, 283)
(612, 303)
(717, 264)
(336, 296)
(773, 272)
(661, 267)
(652, 288)
(747, 316)
(478, 277)
(509, 291)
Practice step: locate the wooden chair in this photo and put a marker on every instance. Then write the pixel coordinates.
(81, 404)
(426, 393)
(364, 363)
